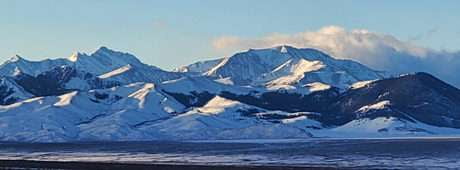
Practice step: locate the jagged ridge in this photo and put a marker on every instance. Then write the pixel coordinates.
(281, 92)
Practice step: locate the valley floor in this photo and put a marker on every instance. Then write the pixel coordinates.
(396, 153)
(49, 165)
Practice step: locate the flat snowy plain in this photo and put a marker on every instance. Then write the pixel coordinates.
(393, 153)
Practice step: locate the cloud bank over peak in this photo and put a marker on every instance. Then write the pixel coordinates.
(379, 51)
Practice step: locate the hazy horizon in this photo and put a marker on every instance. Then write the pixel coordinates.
(398, 37)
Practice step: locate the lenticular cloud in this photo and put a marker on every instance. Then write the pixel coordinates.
(379, 51)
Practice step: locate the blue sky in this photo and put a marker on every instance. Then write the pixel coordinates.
(173, 33)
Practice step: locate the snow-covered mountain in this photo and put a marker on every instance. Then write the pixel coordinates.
(199, 67)
(107, 114)
(222, 118)
(122, 67)
(17, 65)
(285, 67)
(105, 60)
(281, 92)
(104, 63)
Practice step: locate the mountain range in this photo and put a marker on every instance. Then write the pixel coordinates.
(275, 93)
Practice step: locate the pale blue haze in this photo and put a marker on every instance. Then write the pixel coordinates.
(173, 33)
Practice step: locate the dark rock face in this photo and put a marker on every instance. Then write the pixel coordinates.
(317, 102)
(419, 96)
(11, 92)
(107, 98)
(48, 83)
(195, 99)
(5, 92)
(289, 102)
(53, 82)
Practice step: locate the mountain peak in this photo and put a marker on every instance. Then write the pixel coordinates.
(294, 52)
(74, 57)
(420, 76)
(16, 58)
(103, 49)
(109, 53)
(101, 52)
(284, 48)
(285, 65)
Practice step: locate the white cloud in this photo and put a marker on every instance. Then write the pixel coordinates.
(379, 51)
